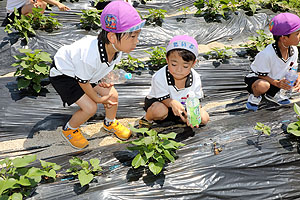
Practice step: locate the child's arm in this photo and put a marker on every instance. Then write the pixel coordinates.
(177, 108)
(283, 84)
(88, 89)
(61, 6)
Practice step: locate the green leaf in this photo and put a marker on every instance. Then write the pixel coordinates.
(149, 153)
(169, 156)
(25, 50)
(24, 181)
(23, 161)
(168, 145)
(37, 88)
(156, 167)
(159, 158)
(138, 161)
(171, 135)
(293, 128)
(42, 67)
(140, 130)
(6, 184)
(139, 141)
(147, 140)
(23, 83)
(44, 56)
(95, 162)
(297, 109)
(17, 196)
(51, 173)
(84, 178)
(35, 173)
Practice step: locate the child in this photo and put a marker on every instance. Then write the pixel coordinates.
(171, 84)
(79, 67)
(271, 64)
(25, 6)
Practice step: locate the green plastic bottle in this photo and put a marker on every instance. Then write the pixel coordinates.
(193, 109)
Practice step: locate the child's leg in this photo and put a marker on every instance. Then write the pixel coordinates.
(204, 116)
(260, 87)
(111, 111)
(28, 7)
(110, 123)
(157, 111)
(88, 108)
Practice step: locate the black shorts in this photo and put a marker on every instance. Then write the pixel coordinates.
(250, 80)
(170, 117)
(12, 17)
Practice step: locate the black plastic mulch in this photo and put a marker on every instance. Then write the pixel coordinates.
(247, 167)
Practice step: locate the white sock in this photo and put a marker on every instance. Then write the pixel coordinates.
(107, 121)
(68, 126)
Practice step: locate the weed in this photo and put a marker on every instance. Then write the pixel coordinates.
(84, 170)
(157, 57)
(18, 181)
(218, 53)
(155, 17)
(258, 43)
(32, 68)
(90, 19)
(130, 64)
(294, 128)
(155, 150)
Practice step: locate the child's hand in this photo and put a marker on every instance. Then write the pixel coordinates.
(105, 85)
(62, 7)
(178, 110)
(106, 102)
(283, 84)
(297, 84)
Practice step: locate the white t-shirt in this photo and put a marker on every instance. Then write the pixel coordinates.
(11, 4)
(163, 86)
(83, 60)
(269, 62)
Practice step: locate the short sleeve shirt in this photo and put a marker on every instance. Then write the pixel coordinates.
(85, 60)
(163, 86)
(269, 62)
(11, 4)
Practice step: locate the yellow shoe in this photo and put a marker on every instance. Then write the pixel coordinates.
(119, 130)
(75, 138)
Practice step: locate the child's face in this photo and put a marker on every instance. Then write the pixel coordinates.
(294, 38)
(128, 42)
(178, 67)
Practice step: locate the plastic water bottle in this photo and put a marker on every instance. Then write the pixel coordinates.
(193, 109)
(116, 76)
(290, 76)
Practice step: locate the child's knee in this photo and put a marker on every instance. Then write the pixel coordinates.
(261, 86)
(114, 95)
(204, 117)
(158, 110)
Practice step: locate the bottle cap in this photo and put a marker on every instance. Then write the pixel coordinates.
(128, 76)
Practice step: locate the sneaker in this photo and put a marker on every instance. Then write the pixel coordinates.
(75, 138)
(253, 102)
(143, 123)
(278, 99)
(118, 129)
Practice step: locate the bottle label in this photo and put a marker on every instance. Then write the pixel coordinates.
(193, 111)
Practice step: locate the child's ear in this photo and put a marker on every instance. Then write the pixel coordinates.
(194, 63)
(112, 37)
